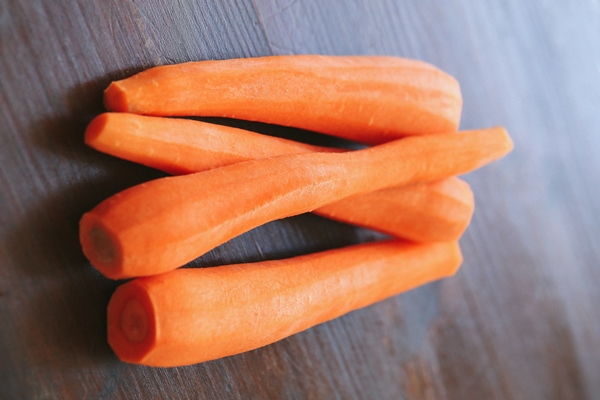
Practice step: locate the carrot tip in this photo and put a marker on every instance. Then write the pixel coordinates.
(115, 98)
(95, 129)
(509, 144)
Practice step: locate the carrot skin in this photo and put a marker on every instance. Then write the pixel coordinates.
(190, 316)
(163, 224)
(363, 98)
(437, 211)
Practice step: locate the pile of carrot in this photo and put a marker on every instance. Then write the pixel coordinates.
(226, 181)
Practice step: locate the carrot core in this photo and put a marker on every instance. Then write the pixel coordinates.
(102, 246)
(134, 321)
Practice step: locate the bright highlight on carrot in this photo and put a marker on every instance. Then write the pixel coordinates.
(367, 99)
(189, 316)
(438, 211)
(163, 224)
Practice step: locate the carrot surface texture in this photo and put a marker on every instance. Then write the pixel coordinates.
(194, 315)
(163, 224)
(436, 211)
(369, 99)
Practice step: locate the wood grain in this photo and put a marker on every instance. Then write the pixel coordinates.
(520, 320)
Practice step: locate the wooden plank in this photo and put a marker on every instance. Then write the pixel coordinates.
(519, 321)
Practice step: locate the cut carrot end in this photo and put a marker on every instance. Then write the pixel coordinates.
(115, 98)
(100, 245)
(134, 321)
(131, 322)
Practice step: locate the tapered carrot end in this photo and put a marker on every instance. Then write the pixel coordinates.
(95, 129)
(131, 323)
(100, 246)
(500, 143)
(456, 258)
(485, 145)
(507, 143)
(115, 98)
(457, 205)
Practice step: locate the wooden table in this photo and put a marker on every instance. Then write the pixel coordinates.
(519, 321)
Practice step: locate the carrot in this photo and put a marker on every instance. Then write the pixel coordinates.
(368, 99)
(427, 212)
(438, 211)
(183, 146)
(162, 224)
(194, 315)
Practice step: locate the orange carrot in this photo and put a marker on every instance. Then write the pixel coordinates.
(363, 98)
(162, 224)
(182, 146)
(438, 211)
(426, 212)
(194, 315)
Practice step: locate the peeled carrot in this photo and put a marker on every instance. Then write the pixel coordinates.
(438, 211)
(194, 315)
(183, 146)
(162, 224)
(363, 98)
(426, 212)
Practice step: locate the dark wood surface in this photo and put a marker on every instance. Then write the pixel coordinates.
(520, 320)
